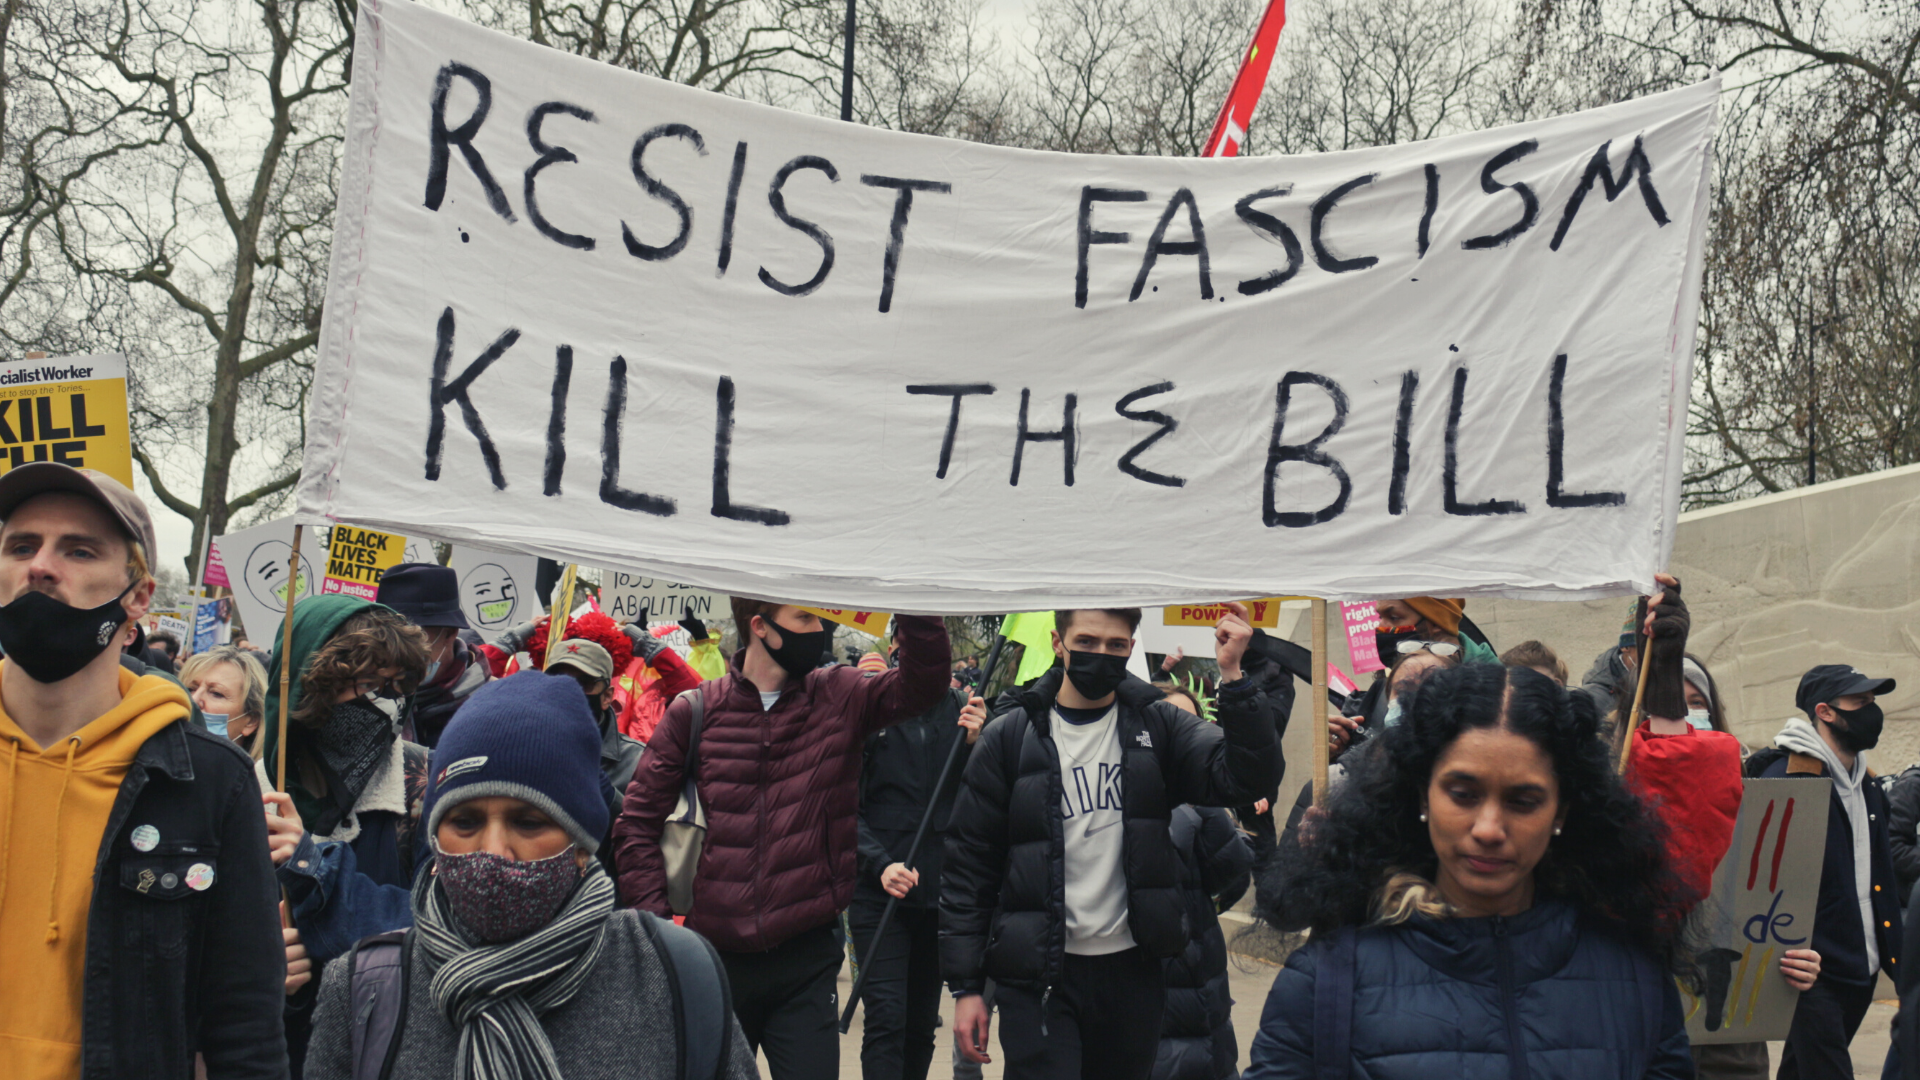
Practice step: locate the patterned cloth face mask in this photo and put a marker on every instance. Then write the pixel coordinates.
(498, 899)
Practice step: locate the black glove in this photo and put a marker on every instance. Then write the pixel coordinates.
(696, 629)
(1666, 685)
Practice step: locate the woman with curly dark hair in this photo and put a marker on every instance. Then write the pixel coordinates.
(1486, 899)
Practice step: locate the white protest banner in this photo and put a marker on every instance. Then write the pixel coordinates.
(1765, 892)
(70, 409)
(577, 312)
(496, 590)
(642, 599)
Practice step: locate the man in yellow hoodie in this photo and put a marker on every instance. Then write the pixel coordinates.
(137, 904)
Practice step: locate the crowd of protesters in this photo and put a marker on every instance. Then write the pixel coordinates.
(515, 859)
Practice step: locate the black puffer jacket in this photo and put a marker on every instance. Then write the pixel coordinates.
(902, 765)
(1196, 1031)
(1903, 829)
(1003, 889)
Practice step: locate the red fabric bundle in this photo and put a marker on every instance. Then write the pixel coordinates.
(594, 627)
(1693, 782)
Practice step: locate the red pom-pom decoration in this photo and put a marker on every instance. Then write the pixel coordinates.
(593, 626)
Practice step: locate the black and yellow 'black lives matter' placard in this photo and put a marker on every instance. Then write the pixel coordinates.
(70, 409)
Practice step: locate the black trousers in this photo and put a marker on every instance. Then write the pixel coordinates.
(785, 999)
(900, 1000)
(1824, 1024)
(1101, 1023)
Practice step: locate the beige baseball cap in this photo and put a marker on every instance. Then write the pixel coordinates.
(583, 656)
(40, 477)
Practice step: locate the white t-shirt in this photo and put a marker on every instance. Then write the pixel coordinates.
(768, 697)
(1090, 764)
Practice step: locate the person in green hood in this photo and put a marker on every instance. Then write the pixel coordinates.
(341, 835)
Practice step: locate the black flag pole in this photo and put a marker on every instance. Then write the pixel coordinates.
(913, 852)
(846, 68)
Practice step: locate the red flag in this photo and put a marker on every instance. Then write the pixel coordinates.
(1231, 129)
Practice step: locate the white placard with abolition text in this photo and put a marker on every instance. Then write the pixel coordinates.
(642, 599)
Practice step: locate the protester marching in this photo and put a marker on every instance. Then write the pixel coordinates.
(522, 744)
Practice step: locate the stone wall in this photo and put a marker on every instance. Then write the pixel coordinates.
(1828, 574)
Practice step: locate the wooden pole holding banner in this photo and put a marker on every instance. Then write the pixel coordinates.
(1632, 719)
(286, 659)
(1322, 752)
(560, 613)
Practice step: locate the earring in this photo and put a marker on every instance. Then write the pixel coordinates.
(1556, 830)
(1423, 815)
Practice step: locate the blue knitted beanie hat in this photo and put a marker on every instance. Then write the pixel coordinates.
(528, 736)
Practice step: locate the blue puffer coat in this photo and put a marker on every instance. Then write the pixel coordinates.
(1544, 995)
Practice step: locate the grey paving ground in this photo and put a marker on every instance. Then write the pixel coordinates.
(1251, 978)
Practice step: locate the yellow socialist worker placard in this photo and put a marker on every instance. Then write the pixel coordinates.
(69, 409)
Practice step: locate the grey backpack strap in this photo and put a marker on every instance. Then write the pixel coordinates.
(377, 989)
(702, 1000)
(1333, 1008)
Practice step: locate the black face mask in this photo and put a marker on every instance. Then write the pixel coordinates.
(1094, 674)
(799, 651)
(51, 641)
(1388, 641)
(1863, 727)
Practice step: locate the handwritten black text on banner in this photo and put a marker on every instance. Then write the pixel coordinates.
(599, 317)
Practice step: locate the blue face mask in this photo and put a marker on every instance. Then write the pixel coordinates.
(1700, 719)
(433, 668)
(1393, 713)
(216, 723)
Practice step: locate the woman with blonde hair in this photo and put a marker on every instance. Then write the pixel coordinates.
(230, 687)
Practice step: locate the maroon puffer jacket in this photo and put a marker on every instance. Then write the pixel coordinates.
(781, 789)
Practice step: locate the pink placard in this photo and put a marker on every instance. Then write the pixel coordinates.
(1360, 619)
(216, 573)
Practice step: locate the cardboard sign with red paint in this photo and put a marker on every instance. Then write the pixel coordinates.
(1765, 891)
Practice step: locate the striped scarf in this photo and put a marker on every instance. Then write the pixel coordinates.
(495, 994)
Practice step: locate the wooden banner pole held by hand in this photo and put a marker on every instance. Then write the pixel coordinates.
(286, 659)
(1632, 719)
(1322, 752)
(560, 613)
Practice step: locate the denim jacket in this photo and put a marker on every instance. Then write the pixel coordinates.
(342, 890)
(170, 970)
